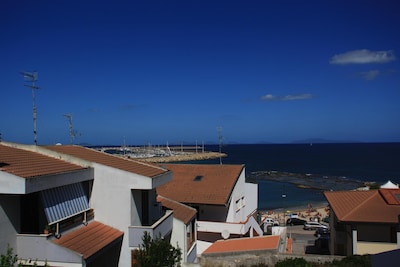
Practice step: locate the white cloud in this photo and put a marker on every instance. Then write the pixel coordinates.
(270, 97)
(363, 56)
(370, 75)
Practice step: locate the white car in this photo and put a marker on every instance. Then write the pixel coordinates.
(314, 225)
(270, 221)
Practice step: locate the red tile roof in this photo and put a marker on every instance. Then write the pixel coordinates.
(244, 244)
(182, 212)
(391, 196)
(28, 164)
(363, 206)
(145, 169)
(87, 240)
(200, 183)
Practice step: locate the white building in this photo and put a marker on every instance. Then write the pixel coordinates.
(226, 205)
(184, 231)
(66, 187)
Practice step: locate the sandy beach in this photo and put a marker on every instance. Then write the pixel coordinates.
(308, 213)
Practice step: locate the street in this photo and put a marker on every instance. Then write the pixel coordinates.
(303, 240)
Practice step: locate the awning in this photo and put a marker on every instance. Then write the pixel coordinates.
(63, 202)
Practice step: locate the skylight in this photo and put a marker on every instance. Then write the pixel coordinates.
(198, 178)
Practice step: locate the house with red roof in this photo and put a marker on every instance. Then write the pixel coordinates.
(38, 191)
(226, 204)
(364, 222)
(97, 204)
(184, 230)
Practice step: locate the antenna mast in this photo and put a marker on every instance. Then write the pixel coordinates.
(72, 133)
(219, 129)
(32, 78)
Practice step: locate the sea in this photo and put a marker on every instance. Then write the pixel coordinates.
(360, 162)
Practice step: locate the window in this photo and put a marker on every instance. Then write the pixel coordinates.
(198, 178)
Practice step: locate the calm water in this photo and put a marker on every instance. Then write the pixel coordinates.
(360, 161)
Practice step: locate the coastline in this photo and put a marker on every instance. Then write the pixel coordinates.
(316, 211)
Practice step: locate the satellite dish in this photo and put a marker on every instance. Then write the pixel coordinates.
(225, 234)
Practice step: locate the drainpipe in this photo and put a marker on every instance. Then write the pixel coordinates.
(398, 231)
(354, 237)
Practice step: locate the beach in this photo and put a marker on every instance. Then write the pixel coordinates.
(311, 212)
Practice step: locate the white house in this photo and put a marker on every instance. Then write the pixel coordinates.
(184, 232)
(38, 191)
(226, 205)
(123, 195)
(119, 193)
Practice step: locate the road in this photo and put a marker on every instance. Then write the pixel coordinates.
(303, 240)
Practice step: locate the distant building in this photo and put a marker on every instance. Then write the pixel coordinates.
(226, 205)
(364, 222)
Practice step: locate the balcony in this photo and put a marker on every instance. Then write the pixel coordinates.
(162, 227)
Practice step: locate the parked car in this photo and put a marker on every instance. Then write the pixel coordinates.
(322, 232)
(270, 221)
(295, 221)
(314, 225)
(326, 219)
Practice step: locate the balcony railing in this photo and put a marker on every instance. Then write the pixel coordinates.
(162, 228)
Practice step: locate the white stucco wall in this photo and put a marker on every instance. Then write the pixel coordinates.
(9, 221)
(238, 214)
(113, 202)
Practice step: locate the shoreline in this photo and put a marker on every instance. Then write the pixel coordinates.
(316, 212)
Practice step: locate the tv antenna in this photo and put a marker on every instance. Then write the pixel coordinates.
(219, 130)
(32, 78)
(72, 132)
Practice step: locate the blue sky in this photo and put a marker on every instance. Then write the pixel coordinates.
(153, 72)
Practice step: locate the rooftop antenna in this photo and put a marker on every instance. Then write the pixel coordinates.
(72, 133)
(219, 130)
(32, 78)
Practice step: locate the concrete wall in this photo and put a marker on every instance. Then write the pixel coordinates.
(9, 221)
(251, 192)
(267, 257)
(374, 247)
(238, 201)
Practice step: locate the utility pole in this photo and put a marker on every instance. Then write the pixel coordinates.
(32, 78)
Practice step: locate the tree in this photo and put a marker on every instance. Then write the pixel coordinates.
(9, 259)
(157, 253)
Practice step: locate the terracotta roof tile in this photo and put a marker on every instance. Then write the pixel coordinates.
(362, 206)
(145, 169)
(244, 244)
(28, 164)
(182, 212)
(87, 240)
(201, 183)
(391, 196)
